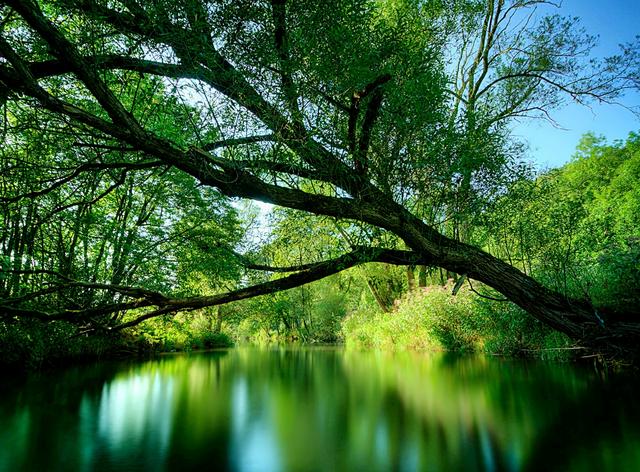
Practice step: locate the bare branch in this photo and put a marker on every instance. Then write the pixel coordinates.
(481, 295)
(88, 167)
(239, 141)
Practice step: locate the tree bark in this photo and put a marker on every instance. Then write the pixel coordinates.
(422, 276)
(218, 327)
(380, 301)
(411, 278)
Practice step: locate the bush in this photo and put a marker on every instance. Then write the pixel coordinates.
(212, 340)
(182, 332)
(32, 345)
(433, 319)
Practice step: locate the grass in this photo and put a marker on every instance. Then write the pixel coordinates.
(432, 319)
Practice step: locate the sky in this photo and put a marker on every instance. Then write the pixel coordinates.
(615, 22)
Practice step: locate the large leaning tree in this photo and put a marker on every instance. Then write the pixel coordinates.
(389, 114)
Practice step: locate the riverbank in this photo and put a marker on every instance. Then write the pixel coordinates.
(427, 319)
(34, 346)
(430, 319)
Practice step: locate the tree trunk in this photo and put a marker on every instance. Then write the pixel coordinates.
(378, 298)
(422, 275)
(411, 279)
(218, 327)
(598, 329)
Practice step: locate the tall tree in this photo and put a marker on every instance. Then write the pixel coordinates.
(355, 99)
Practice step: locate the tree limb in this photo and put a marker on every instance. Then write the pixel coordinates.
(239, 141)
(146, 298)
(281, 39)
(88, 167)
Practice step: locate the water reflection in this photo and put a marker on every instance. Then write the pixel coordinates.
(321, 409)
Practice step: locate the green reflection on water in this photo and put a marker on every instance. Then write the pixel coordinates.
(320, 409)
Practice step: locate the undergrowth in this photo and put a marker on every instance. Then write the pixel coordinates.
(432, 319)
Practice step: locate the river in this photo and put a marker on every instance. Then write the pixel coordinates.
(324, 409)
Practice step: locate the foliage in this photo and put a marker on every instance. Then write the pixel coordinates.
(35, 345)
(130, 126)
(571, 227)
(576, 227)
(183, 332)
(432, 319)
(310, 314)
(32, 345)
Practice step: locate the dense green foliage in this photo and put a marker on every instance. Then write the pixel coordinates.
(547, 224)
(381, 130)
(577, 227)
(432, 319)
(72, 247)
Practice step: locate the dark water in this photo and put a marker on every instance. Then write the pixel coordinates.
(321, 409)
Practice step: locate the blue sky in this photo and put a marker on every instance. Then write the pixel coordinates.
(615, 22)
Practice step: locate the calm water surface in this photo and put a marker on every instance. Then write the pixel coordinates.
(320, 409)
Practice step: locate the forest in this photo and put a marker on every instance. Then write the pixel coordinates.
(193, 174)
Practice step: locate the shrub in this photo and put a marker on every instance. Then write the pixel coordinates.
(433, 319)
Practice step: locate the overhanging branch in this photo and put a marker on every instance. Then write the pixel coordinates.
(142, 298)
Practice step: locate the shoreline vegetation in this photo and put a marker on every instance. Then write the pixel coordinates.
(431, 319)
(41, 347)
(428, 319)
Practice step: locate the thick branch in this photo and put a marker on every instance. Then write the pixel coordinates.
(373, 110)
(147, 298)
(313, 273)
(359, 152)
(281, 39)
(66, 52)
(224, 77)
(276, 167)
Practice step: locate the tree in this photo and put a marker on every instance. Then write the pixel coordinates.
(344, 112)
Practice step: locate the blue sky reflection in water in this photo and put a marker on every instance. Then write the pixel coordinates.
(321, 409)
